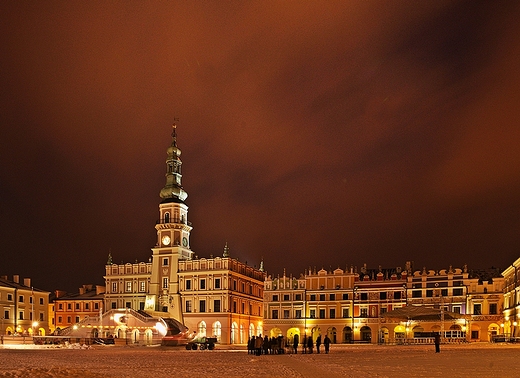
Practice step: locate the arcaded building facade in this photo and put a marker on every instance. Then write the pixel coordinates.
(356, 307)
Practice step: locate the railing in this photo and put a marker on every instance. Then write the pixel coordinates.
(173, 220)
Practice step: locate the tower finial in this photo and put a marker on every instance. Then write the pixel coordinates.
(226, 251)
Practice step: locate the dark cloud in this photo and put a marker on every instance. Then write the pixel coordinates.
(313, 134)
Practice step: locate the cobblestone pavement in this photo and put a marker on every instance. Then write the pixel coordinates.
(477, 360)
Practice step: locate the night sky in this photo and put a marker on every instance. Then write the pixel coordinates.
(322, 134)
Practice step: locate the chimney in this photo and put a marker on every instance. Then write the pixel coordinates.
(82, 290)
(27, 282)
(100, 289)
(16, 278)
(60, 293)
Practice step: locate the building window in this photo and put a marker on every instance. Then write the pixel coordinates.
(69, 319)
(87, 307)
(20, 298)
(202, 305)
(429, 293)
(128, 286)
(188, 284)
(77, 306)
(165, 283)
(397, 295)
(235, 307)
(477, 309)
(9, 297)
(165, 261)
(41, 301)
(216, 305)
(312, 314)
(363, 312)
(322, 313)
(77, 319)
(217, 283)
(114, 287)
(128, 305)
(96, 306)
(69, 306)
(456, 309)
(60, 306)
(382, 310)
(492, 308)
(286, 297)
(382, 295)
(298, 297)
(313, 297)
(416, 294)
(30, 299)
(142, 286)
(60, 320)
(298, 314)
(346, 313)
(203, 284)
(322, 297)
(114, 305)
(457, 291)
(345, 296)
(332, 313)
(364, 296)
(6, 314)
(332, 297)
(286, 314)
(275, 314)
(444, 292)
(188, 306)
(275, 298)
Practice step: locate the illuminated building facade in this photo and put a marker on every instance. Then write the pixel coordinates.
(70, 309)
(509, 328)
(351, 307)
(24, 308)
(217, 296)
(222, 297)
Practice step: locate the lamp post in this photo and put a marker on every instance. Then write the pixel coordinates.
(354, 289)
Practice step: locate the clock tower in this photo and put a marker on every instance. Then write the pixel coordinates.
(173, 240)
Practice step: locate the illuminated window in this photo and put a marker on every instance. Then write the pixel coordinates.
(346, 313)
(114, 287)
(165, 283)
(128, 286)
(188, 306)
(312, 314)
(298, 314)
(363, 312)
(142, 286)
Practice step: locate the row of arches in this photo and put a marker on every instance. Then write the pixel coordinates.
(384, 334)
(30, 331)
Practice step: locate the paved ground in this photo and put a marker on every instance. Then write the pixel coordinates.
(476, 360)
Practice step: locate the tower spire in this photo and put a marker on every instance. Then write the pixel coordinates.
(173, 191)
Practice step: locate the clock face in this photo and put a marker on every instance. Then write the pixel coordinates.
(166, 240)
(185, 242)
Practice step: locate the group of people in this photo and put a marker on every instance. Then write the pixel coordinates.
(258, 345)
(308, 344)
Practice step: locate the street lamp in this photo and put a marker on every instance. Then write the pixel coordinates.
(354, 290)
(34, 325)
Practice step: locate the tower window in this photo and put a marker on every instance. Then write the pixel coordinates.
(165, 261)
(165, 283)
(166, 217)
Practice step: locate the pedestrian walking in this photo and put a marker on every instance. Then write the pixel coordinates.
(310, 343)
(326, 343)
(304, 344)
(318, 343)
(296, 341)
(437, 340)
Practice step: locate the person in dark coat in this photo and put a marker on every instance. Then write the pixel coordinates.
(318, 343)
(304, 344)
(437, 340)
(326, 343)
(258, 345)
(296, 341)
(310, 344)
